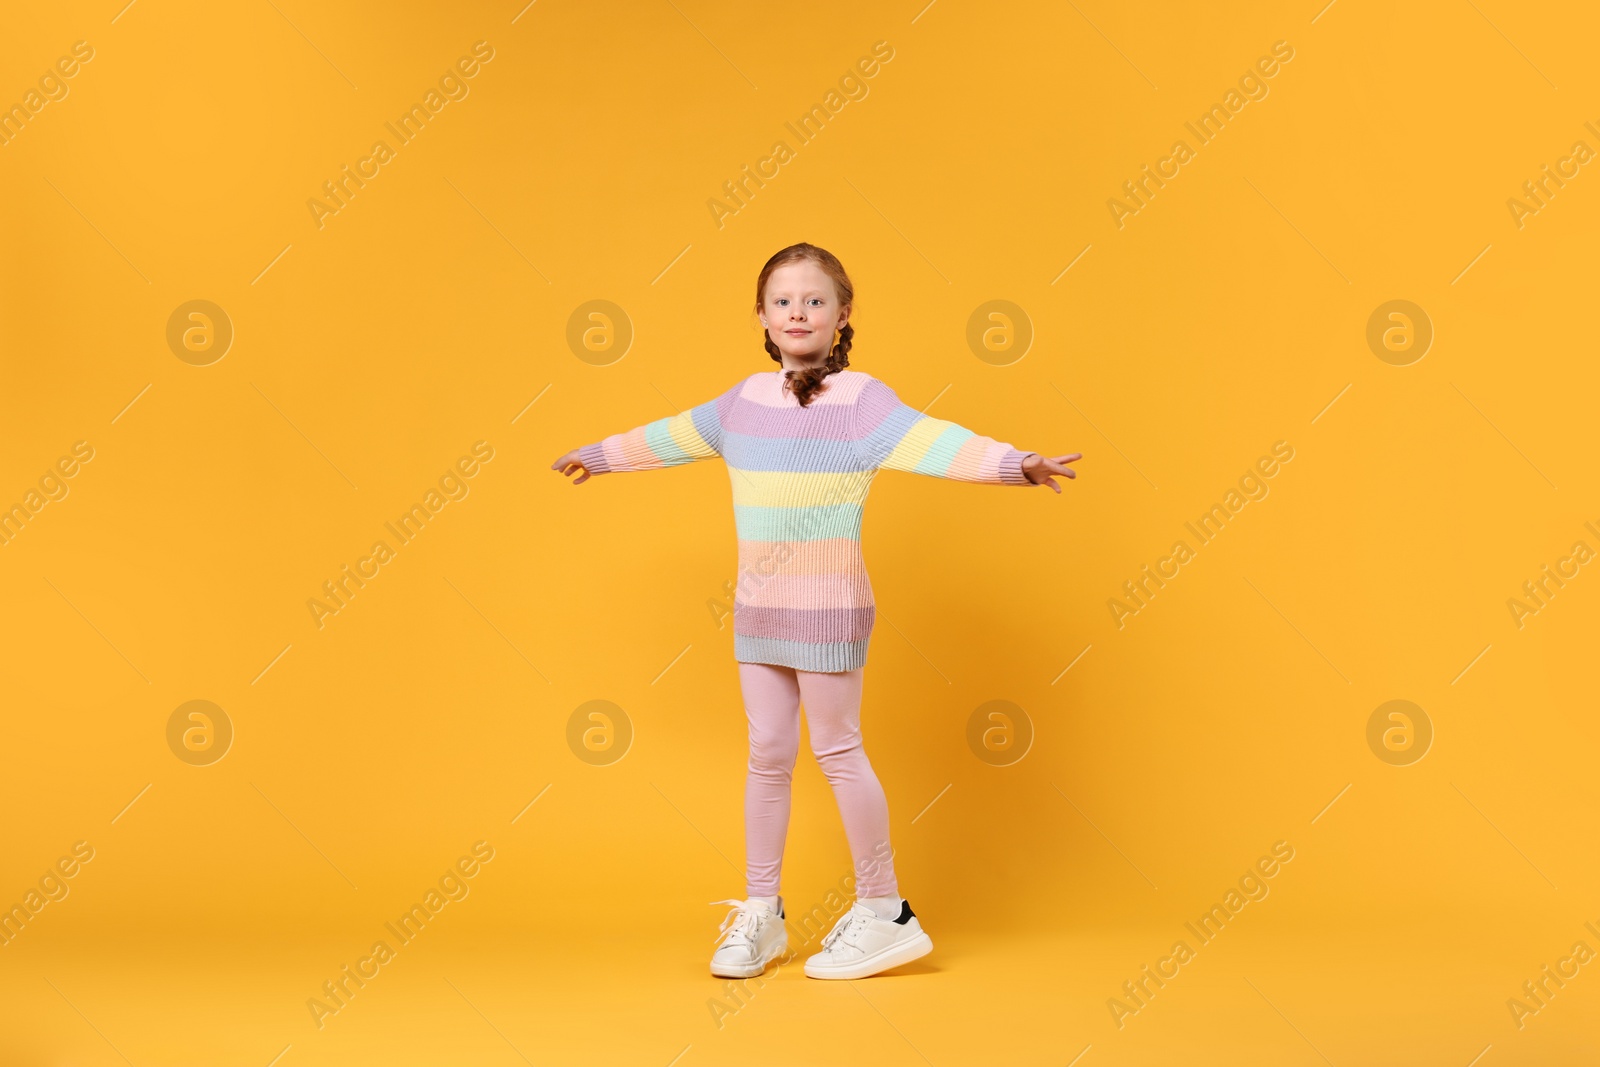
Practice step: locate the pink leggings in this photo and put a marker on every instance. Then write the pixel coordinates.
(772, 699)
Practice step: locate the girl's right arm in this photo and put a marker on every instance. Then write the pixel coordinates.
(667, 442)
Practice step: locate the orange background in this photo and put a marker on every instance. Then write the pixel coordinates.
(431, 312)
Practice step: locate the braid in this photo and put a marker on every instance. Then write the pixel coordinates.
(804, 384)
(841, 351)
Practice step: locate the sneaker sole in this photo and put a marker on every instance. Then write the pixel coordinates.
(750, 970)
(893, 956)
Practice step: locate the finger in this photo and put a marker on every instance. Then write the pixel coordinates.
(1068, 459)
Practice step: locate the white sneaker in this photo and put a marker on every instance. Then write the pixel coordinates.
(861, 944)
(751, 936)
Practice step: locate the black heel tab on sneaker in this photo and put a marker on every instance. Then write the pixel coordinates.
(906, 914)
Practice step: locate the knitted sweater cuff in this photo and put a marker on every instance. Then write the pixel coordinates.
(593, 458)
(1011, 468)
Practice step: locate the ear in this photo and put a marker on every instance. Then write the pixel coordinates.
(844, 317)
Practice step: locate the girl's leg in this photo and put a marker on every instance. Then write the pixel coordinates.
(833, 712)
(772, 704)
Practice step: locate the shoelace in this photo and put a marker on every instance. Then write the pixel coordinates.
(745, 920)
(847, 929)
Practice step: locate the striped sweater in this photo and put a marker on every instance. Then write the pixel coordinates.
(800, 478)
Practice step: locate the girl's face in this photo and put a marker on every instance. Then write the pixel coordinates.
(800, 311)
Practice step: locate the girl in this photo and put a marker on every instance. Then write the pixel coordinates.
(802, 445)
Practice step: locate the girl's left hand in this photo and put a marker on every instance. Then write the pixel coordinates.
(1038, 469)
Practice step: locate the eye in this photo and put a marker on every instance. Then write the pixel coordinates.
(780, 301)
(816, 300)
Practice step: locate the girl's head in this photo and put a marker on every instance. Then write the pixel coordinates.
(803, 297)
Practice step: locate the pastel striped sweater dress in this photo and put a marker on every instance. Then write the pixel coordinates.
(800, 478)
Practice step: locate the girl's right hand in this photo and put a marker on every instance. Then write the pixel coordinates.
(1038, 469)
(569, 463)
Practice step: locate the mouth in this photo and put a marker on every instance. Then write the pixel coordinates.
(796, 332)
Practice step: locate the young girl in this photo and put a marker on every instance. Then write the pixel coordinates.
(802, 445)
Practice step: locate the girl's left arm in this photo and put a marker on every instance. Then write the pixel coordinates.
(893, 435)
